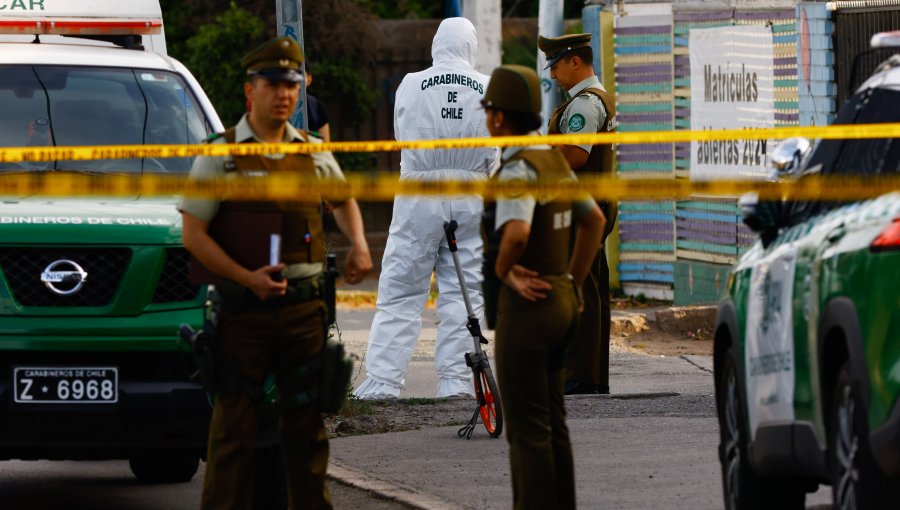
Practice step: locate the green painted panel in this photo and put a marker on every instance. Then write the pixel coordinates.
(709, 206)
(784, 27)
(641, 40)
(643, 87)
(647, 247)
(645, 127)
(699, 283)
(707, 247)
(645, 107)
(787, 105)
(649, 167)
(639, 207)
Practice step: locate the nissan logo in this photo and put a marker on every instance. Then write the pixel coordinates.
(64, 277)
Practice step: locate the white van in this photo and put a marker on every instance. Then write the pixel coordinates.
(92, 291)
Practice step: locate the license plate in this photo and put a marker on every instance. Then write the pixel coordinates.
(66, 385)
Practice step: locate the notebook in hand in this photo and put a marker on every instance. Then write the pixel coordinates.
(244, 236)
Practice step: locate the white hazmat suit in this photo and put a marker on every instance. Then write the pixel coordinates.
(442, 101)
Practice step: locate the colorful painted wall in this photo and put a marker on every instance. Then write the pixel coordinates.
(683, 250)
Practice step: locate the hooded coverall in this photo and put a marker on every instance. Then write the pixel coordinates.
(439, 102)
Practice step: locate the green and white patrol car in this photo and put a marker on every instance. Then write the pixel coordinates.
(92, 291)
(807, 338)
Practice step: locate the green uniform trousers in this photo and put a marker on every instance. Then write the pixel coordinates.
(531, 341)
(587, 360)
(263, 341)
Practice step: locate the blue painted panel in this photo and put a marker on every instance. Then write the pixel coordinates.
(816, 104)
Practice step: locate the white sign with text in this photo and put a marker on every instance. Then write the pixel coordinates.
(732, 87)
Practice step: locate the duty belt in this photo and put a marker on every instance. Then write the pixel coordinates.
(300, 290)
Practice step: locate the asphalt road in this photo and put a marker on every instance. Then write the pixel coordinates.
(45, 485)
(631, 452)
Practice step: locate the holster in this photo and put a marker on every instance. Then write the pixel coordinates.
(491, 285)
(202, 344)
(336, 373)
(334, 368)
(218, 372)
(331, 276)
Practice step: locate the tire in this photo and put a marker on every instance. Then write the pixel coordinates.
(742, 487)
(856, 481)
(269, 482)
(488, 396)
(173, 468)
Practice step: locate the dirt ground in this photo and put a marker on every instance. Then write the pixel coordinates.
(670, 331)
(664, 330)
(651, 328)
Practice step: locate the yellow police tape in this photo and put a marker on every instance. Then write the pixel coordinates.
(856, 131)
(383, 187)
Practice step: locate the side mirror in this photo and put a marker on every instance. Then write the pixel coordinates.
(762, 217)
(789, 158)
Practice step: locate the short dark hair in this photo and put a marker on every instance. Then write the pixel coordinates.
(585, 53)
(522, 123)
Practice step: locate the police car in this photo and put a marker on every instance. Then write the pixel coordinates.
(807, 342)
(92, 291)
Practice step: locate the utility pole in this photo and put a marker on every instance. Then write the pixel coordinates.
(550, 24)
(289, 18)
(485, 15)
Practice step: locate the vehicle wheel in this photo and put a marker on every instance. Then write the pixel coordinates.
(173, 468)
(856, 481)
(742, 488)
(269, 483)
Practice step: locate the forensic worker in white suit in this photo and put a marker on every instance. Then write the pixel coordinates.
(440, 102)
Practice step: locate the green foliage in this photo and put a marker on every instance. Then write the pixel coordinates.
(180, 21)
(520, 50)
(340, 80)
(213, 55)
(357, 161)
(531, 8)
(355, 406)
(394, 9)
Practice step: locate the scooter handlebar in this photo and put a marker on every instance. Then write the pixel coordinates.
(450, 232)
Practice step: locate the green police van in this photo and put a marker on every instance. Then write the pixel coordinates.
(807, 338)
(93, 290)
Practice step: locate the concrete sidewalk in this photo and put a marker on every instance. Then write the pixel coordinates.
(435, 469)
(650, 444)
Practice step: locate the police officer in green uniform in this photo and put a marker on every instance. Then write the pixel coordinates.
(539, 301)
(272, 318)
(590, 109)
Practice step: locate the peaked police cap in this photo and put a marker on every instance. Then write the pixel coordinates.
(555, 48)
(513, 88)
(280, 59)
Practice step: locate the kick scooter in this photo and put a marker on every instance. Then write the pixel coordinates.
(486, 394)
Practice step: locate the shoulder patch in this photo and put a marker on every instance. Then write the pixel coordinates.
(576, 122)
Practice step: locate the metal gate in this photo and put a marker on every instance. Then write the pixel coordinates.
(855, 22)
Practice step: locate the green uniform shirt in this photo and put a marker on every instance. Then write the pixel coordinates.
(585, 114)
(522, 207)
(212, 167)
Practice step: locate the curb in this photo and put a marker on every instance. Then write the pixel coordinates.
(390, 491)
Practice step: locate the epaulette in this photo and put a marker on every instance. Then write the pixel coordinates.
(213, 137)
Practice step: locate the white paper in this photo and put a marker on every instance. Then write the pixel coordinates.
(274, 249)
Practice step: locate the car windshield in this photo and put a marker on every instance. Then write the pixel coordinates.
(863, 156)
(854, 157)
(65, 105)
